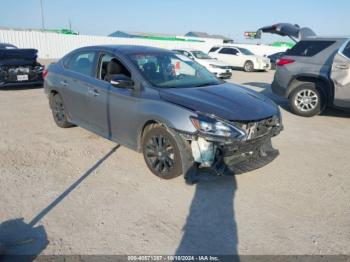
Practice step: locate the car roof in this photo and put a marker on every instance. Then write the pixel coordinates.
(127, 49)
(7, 45)
(228, 46)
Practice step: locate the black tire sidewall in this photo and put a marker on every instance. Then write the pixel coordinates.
(306, 86)
(177, 170)
(245, 66)
(53, 99)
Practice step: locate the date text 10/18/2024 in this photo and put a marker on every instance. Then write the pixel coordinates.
(173, 258)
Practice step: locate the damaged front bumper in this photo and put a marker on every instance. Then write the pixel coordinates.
(247, 156)
(228, 156)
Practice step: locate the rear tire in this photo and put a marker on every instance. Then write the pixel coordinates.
(59, 112)
(306, 100)
(166, 154)
(248, 66)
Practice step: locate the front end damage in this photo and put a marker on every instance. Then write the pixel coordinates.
(236, 155)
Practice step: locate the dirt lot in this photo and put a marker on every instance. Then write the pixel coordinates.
(79, 194)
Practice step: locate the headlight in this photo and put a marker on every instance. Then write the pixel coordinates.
(214, 127)
(214, 66)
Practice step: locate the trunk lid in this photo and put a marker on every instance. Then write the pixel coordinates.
(29, 55)
(290, 30)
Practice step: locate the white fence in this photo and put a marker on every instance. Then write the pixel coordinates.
(53, 45)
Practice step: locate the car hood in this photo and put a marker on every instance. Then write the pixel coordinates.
(227, 101)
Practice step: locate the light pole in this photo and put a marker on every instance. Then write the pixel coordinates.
(42, 15)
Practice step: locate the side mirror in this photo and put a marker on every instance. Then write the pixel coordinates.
(122, 81)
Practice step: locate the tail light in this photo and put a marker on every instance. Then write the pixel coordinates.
(44, 73)
(285, 61)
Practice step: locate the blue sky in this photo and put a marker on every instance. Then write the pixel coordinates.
(228, 17)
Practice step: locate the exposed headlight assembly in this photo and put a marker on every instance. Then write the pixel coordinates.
(209, 125)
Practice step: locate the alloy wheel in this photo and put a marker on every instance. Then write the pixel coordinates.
(160, 154)
(248, 67)
(306, 100)
(58, 110)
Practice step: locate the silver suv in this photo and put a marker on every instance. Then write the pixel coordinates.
(315, 73)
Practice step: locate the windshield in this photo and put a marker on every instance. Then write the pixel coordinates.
(200, 55)
(245, 51)
(169, 70)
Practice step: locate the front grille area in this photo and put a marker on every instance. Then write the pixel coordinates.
(257, 129)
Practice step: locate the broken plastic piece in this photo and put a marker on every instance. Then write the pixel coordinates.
(203, 152)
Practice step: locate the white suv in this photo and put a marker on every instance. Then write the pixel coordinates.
(218, 68)
(239, 57)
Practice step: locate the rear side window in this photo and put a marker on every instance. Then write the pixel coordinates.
(346, 51)
(228, 51)
(82, 63)
(309, 48)
(186, 54)
(213, 49)
(179, 51)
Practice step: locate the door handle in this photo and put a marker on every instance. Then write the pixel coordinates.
(93, 92)
(64, 83)
(342, 66)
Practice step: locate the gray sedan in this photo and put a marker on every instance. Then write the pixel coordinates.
(179, 115)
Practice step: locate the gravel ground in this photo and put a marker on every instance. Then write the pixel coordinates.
(67, 191)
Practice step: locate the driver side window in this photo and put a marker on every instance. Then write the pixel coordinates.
(110, 65)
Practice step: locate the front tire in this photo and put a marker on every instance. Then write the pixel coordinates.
(306, 100)
(58, 111)
(248, 66)
(166, 154)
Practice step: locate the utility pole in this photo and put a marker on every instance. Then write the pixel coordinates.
(42, 16)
